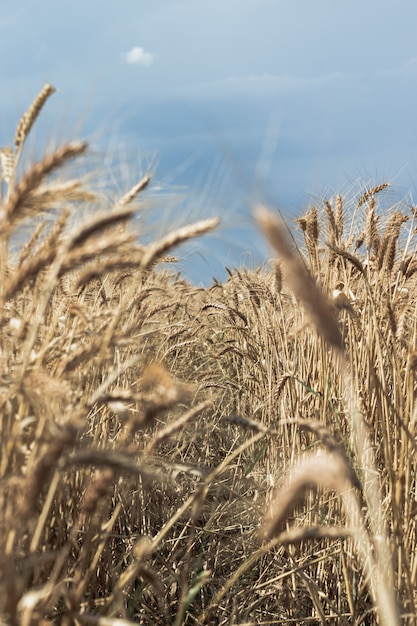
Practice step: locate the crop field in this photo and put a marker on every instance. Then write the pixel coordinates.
(242, 453)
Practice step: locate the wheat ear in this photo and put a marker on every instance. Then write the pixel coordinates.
(7, 162)
(29, 117)
(371, 192)
(159, 248)
(134, 191)
(320, 309)
(345, 254)
(326, 471)
(331, 219)
(23, 191)
(339, 217)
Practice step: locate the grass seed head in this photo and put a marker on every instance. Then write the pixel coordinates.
(29, 118)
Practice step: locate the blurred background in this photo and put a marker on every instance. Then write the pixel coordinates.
(229, 102)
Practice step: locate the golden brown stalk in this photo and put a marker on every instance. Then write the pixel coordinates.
(318, 306)
(28, 119)
(330, 472)
(154, 251)
(374, 550)
(22, 194)
(371, 192)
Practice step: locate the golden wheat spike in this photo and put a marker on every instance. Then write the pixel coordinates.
(278, 277)
(39, 171)
(345, 254)
(29, 117)
(328, 470)
(154, 251)
(320, 309)
(134, 191)
(371, 192)
(312, 227)
(331, 219)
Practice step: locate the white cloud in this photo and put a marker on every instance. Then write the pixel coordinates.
(138, 56)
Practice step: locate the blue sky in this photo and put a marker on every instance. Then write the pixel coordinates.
(241, 99)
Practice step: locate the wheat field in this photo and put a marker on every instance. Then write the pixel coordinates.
(170, 454)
